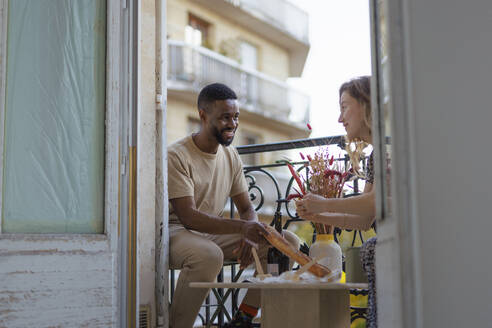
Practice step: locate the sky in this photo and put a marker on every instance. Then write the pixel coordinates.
(339, 34)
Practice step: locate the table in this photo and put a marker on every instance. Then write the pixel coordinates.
(296, 304)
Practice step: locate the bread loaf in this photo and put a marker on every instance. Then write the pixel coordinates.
(279, 242)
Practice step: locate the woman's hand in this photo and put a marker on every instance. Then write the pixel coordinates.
(310, 204)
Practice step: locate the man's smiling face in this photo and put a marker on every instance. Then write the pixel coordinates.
(223, 120)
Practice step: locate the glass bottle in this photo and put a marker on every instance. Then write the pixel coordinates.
(277, 262)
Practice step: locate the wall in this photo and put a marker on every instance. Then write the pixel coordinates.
(177, 118)
(273, 61)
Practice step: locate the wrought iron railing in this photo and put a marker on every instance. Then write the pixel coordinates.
(256, 192)
(190, 68)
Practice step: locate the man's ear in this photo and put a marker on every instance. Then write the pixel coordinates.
(202, 114)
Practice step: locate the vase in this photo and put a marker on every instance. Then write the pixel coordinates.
(327, 252)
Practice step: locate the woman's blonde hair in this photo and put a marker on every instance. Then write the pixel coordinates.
(360, 89)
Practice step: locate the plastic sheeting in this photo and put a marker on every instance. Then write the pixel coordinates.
(53, 177)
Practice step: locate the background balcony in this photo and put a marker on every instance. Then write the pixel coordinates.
(279, 21)
(191, 68)
(281, 14)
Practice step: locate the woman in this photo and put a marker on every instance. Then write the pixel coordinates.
(355, 212)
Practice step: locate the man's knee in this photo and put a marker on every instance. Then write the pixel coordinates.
(208, 261)
(201, 258)
(292, 239)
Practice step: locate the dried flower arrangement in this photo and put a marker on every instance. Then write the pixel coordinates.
(325, 178)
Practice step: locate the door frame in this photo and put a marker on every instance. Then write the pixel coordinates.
(397, 266)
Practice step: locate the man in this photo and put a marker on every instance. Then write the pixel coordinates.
(203, 173)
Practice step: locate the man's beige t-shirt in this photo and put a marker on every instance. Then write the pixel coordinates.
(210, 178)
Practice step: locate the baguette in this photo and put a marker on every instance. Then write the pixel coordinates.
(279, 242)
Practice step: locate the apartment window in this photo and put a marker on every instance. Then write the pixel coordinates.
(197, 31)
(193, 125)
(249, 138)
(52, 116)
(248, 55)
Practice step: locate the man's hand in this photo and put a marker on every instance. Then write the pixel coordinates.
(253, 231)
(244, 254)
(310, 204)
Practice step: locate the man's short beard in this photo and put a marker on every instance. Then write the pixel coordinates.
(220, 139)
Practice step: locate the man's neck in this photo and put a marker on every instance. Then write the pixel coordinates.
(207, 144)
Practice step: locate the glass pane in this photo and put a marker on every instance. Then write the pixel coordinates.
(53, 177)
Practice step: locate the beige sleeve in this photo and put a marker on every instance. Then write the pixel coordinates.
(180, 183)
(239, 184)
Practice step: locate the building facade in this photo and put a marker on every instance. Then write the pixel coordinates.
(248, 46)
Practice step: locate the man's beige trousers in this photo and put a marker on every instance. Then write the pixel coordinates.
(200, 258)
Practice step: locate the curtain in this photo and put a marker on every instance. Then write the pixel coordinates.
(53, 169)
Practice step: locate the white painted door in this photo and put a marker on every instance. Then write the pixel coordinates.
(59, 163)
(433, 258)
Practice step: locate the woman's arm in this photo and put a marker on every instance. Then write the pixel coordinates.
(362, 205)
(343, 221)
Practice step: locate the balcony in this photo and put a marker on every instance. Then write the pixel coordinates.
(268, 192)
(190, 68)
(279, 21)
